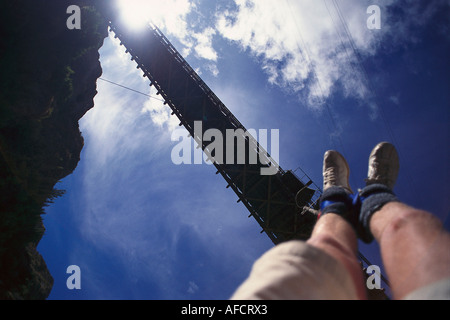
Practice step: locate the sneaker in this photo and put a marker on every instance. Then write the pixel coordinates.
(383, 165)
(335, 171)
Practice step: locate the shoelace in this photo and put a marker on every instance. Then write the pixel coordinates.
(329, 175)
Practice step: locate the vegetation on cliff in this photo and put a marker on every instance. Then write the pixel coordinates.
(48, 79)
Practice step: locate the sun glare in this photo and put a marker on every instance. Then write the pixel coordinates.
(137, 13)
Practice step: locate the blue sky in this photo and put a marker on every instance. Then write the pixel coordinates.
(141, 227)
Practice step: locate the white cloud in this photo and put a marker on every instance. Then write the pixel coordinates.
(193, 287)
(213, 69)
(306, 47)
(159, 112)
(303, 44)
(119, 68)
(311, 46)
(120, 137)
(204, 48)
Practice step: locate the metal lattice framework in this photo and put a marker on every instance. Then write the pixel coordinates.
(275, 201)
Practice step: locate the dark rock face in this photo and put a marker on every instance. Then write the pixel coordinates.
(48, 79)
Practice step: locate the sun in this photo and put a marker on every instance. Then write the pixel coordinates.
(137, 13)
(170, 15)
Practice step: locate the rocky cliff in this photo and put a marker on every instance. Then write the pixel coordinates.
(48, 79)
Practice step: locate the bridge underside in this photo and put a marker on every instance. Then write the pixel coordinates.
(275, 201)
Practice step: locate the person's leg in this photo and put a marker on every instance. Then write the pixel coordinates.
(334, 232)
(414, 245)
(296, 270)
(323, 267)
(335, 236)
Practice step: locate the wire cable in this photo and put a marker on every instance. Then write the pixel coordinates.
(128, 88)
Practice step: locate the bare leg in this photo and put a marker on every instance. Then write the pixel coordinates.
(334, 235)
(414, 246)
